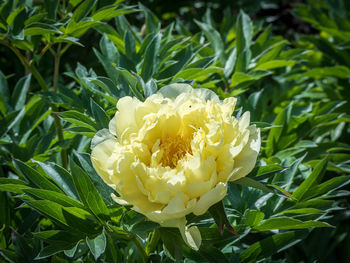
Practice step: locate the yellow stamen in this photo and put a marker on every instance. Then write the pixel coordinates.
(174, 149)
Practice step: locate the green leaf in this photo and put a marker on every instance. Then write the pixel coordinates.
(110, 11)
(302, 211)
(61, 177)
(87, 192)
(4, 93)
(230, 63)
(12, 181)
(100, 116)
(275, 133)
(70, 40)
(133, 83)
(13, 188)
(288, 223)
(152, 22)
(51, 7)
(246, 181)
(252, 218)
(195, 73)
(172, 243)
(59, 236)
(217, 211)
(212, 254)
(104, 190)
(330, 185)
(239, 77)
(149, 64)
(275, 64)
(76, 218)
(271, 52)
(78, 119)
(59, 240)
(19, 95)
(35, 177)
(244, 34)
(38, 28)
(54, 197)
(272, 245)
(51, 250)
(130, 45)
(97, 245)
(109, 58)
(150, 88)
(313, 179)
(83, 9)
(214, 39)
(335, 71)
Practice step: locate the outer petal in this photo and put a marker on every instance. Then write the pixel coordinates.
(212, 197)
(245, 161)
(125, 117)
(99, 156)
(175, 209)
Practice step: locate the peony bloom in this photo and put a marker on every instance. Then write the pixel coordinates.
(174, 153)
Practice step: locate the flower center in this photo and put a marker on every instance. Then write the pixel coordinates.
(174, 149)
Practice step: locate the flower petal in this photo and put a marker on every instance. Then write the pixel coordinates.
(245, 161)
(212, 197)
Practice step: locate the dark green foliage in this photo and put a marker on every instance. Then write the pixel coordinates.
(72, 60)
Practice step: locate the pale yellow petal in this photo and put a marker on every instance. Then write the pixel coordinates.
(246, 160)
(212, 197)
(99, 156)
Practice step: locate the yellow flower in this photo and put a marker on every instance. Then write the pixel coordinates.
(174, 153)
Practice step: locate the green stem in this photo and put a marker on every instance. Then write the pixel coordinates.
(141, 249)
(57, 57)
(64, 157)
(65, 48)
(151, 245)
(56, 67)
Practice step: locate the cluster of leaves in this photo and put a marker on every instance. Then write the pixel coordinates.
(54, 205)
